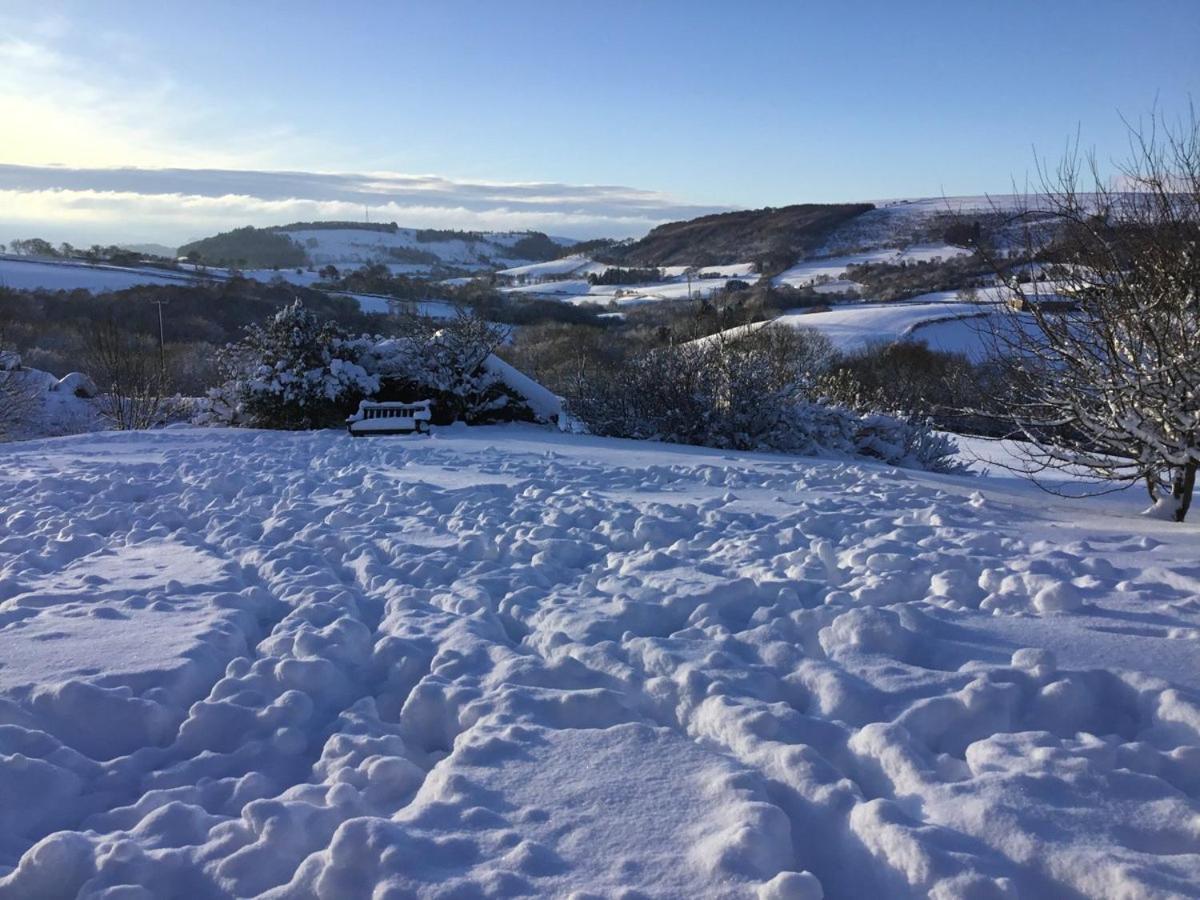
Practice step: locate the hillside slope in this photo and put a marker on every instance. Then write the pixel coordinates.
(352, 244)
(773, 236)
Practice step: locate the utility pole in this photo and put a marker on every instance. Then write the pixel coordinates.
(162, 344)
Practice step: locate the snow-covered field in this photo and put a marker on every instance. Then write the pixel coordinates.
(576, 266)
(809, 271)
(566, 280)
(29, 274)
(23, 274)
(510, 661)
(976, 337)
(898, 222)
(857, 325)
(355, 246)
(826, 274)
(853, 326)
(580, 291)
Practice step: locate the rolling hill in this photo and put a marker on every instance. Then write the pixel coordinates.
(773, 237)
(409, 250)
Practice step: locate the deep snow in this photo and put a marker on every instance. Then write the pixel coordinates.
(502, 661)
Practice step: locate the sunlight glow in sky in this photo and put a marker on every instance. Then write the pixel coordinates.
(596, 119)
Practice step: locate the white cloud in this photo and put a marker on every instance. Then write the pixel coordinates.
(174, 205)
(95, 141)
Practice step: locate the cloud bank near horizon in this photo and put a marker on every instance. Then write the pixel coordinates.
(172, 206)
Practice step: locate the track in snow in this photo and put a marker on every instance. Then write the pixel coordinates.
(503, 661)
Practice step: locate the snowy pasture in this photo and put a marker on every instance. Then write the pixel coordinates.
(28, 274)
(574, 266)
(509, 661)
(855, 326)
(833, 268)
(580, 291)
(976, 337)
(348, 247)
(60, 275)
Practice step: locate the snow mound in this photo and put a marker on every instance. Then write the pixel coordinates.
(544, 403)
(77, 384)
(47, 405)
(509, 661)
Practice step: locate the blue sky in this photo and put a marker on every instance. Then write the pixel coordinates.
(686, 105)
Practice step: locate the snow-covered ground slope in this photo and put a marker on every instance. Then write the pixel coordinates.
(675, 286)
(581, 292)
(899, 223)
(506, 661)
(65, 275)
(976, 337)
(853, 326)
(575, 266)
(351, 247)
(833, 268)
(379, 303)
(566, 280)
(857, 325)
(30, 274)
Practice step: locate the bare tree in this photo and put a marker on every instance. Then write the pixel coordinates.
(130, 374)
(18, 392)
(1102, 338)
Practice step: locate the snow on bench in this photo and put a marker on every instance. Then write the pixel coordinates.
(390, 418)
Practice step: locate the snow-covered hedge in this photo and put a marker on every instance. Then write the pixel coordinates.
(760, 391)
(300, 372)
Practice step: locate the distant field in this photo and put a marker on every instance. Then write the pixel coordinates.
(26, 274)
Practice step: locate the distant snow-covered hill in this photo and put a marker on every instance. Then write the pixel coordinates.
(353, 244)
(805, 247)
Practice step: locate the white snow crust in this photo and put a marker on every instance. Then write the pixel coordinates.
(509, 661)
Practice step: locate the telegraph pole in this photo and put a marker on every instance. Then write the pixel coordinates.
(162, 344)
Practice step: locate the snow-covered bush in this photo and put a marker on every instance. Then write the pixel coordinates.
(300, 372)
(295, 372)
(446, 362)
(756, 391)
(906, 442)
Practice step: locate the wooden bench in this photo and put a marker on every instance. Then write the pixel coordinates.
(390, 418)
